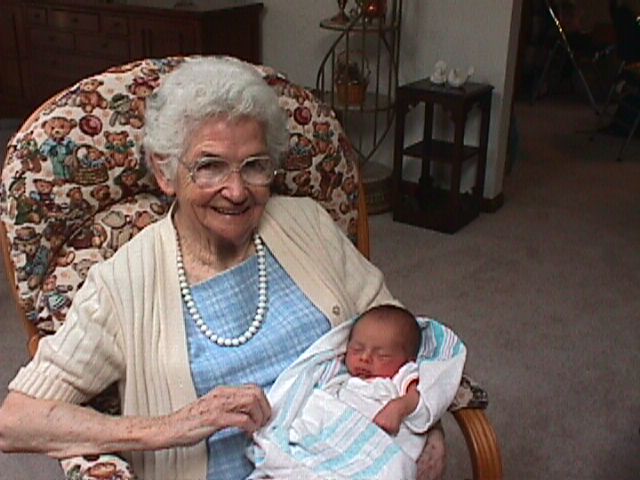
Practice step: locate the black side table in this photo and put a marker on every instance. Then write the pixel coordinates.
(423, 204)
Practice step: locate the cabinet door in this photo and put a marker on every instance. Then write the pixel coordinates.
(154, 38)
(11, 85)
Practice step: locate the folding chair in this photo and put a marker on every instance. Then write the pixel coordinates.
(571, 48)
(625, 89)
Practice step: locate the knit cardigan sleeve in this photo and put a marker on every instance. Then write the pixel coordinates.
(84, 357)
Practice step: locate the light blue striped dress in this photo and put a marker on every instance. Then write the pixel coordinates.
(228, 303)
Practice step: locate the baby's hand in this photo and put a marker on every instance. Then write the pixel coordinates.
(391, 416)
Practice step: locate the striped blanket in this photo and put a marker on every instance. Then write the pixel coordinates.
(349, 446)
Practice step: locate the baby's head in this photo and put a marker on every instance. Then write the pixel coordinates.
(382, 340)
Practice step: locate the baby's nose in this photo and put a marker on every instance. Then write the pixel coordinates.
(365, 356)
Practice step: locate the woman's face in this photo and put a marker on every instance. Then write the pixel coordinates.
(229, 212)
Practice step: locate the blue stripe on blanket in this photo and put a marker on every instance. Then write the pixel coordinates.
(303, 385)
(331, 432)
(351, 455)
(357, 438)
(353, 462)
(439, 343)
(388, 456)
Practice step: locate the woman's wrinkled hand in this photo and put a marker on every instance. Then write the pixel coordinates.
(245, 407)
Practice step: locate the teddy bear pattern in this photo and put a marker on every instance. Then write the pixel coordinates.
(75, 186)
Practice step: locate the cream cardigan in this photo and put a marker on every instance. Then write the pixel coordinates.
(126, 322)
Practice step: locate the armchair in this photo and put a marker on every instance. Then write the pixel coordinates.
(74, 189)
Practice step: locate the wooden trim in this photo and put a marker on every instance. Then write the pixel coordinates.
(492, 205)
(482, 443)
(32, 344)
(362, 239)
(9, 269)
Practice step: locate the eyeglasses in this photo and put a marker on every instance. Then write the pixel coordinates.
(209, 172)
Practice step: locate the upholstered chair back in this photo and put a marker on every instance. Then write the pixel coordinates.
(75, 186)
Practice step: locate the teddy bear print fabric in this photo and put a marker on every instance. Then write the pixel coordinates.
(75, 186)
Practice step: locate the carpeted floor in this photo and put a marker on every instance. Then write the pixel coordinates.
(545, 292)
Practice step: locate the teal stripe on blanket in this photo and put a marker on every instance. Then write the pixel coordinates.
(332, 432)
(357, 438)
(349, 455)
(389, 455)
(299, 391)
(440, 343)
(355, 462)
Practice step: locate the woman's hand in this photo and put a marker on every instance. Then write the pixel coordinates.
(432, 460)
(64, 430)
(245, 407)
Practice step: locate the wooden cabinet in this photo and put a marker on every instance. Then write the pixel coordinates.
(12, 72)
(159, 37)
(66, 44)
(48, 45)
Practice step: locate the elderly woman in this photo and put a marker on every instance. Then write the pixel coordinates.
(196, 316)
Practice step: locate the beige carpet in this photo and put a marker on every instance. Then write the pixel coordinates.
(545, 292)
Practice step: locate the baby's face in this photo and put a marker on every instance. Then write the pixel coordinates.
(376, 349)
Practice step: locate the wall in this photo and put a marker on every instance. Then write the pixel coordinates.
(463, 33)
(482, 33)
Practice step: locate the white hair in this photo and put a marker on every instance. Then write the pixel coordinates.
(205, 88)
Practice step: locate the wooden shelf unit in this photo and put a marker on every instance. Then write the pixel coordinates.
(423, 203)
(374, 45)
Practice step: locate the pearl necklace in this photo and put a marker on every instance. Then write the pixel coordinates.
(192, 308)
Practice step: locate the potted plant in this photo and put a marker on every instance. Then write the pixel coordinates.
(351, 78)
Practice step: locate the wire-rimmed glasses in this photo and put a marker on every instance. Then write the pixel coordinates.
(211, 171)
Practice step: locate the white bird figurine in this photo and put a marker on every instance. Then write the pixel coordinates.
(455, 79)
(439, 75)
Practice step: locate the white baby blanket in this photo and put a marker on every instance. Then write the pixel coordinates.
(347, 445)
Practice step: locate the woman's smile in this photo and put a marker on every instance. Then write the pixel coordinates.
(227, 213)
(231, 211)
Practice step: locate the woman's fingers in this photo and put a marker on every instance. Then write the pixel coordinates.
(259, 411)
(245, 407)
(253, 410)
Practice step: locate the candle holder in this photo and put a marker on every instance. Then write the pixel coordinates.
(372, 9)
(341, 17)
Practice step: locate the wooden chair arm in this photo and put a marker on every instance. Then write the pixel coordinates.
(482, 443)
(363, 221)
(32, 344)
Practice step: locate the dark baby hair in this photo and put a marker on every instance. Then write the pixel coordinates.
(394, 313)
